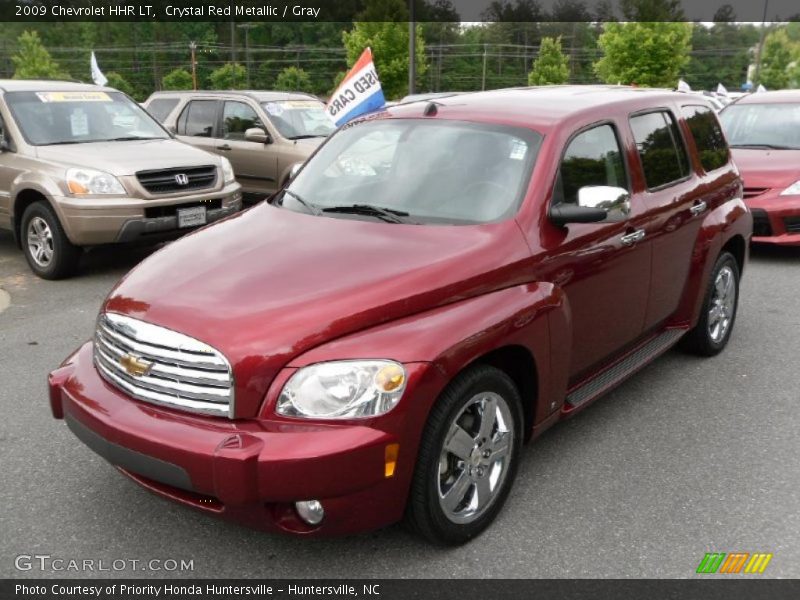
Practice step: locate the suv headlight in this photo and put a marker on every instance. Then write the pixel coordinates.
(227, 171)
(343, 389)
(792, 190)
(89, 181)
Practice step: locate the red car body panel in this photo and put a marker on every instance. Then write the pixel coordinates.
(275, 290)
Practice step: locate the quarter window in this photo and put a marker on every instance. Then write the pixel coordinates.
(198, 118)
(161, 107)
(708, 137)
(238, 117)
(593, 158)
(660, 147)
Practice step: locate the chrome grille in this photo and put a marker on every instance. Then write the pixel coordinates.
(178, 371)
(165, 181)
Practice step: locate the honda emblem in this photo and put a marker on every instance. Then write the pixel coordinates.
(182, 179)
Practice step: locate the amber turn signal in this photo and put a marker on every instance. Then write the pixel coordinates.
(392, 450)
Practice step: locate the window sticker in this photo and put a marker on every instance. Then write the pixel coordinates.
(79, 123)
(274, 108)
(518, 150)
(74, 97)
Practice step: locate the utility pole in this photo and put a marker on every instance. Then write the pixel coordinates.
(483, 77)
(247, 27)
(233, 41)
(412, 48)
(757, 74)
(193, 48)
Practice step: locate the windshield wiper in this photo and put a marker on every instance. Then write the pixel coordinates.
(131, 138)
(312, 208)
(307, 136)
(389, 215)
(766, 146)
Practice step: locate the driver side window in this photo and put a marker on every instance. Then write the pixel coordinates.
(592, 158)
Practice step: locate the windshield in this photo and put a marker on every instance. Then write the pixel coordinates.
(297, 119)
(421, 171)
(770, 125)
(46, 118)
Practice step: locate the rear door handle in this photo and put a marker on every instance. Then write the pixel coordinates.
(698, 207)
(629, 239)
(224, 147)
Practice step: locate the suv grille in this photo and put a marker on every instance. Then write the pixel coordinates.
(161, 366)
(167, 180)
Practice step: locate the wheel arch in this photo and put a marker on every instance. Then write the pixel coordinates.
(737, 246)
(23, 199)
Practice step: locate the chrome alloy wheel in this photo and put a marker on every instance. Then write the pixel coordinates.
(723, 304)
(475, 458)
(40, 241)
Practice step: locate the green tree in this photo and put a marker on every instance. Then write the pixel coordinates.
(117, 81)
(230, 76)
(33, 61)
(292, 79)
(389, 42)
(720, 54)
(551, 66)
(179, 79)
(778, 60)
(650, 54)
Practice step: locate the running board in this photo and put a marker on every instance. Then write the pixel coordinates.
(619, 371)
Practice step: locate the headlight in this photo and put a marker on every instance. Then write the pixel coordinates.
(89, 181)
(343, 389)
(227, 171)
(792, 190)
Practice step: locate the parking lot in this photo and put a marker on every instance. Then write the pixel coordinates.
(690, 456)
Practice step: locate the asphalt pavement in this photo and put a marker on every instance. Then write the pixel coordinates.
(689, 456)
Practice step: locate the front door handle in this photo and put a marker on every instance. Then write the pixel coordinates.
(698, 207)
(629, 239)
(224, 147)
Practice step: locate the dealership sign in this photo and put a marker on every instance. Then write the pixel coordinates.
(360, 92)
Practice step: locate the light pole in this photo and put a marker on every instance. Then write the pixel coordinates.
(412, 48)
(193, 48)
(757, 74)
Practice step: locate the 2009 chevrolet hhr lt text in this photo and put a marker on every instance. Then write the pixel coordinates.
(441, 282)
(83, 165)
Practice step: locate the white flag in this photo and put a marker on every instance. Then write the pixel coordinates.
(683, 86)
(760, 89)
(97, 74)
(721, 90)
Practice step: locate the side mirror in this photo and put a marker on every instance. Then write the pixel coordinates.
(258, 135)
(596, 203)
(295, 169)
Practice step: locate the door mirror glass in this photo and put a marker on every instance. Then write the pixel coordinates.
(615, 201)
(256, 134)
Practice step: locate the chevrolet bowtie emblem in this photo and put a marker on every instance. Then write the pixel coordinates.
(135, 366)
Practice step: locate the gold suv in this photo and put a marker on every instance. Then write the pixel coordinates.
(82, 165)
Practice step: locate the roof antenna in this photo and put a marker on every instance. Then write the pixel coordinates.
(430, 109)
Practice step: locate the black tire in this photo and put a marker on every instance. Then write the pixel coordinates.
(424, 513)
(700, 340)
(65, 255)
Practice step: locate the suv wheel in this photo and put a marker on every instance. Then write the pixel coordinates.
(713, 330)
(48, 251)
(468, 457)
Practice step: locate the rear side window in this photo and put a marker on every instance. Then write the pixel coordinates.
(161, 107)
(708, 137)
(198, 118)
(660, 147)
(593, 158)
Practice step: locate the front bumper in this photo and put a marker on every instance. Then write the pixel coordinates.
(89, 222)
(249, 471)
(776, 218)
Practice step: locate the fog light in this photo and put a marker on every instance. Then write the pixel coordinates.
(310, 511)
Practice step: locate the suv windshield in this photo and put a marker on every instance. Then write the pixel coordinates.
(297, 119)
(420, 171)
(762, 125)
(46, 118)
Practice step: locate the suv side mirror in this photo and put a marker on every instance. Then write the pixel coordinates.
(295, 169)
(596, 203)
(256, 134)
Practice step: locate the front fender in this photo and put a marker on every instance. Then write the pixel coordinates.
(533, 316)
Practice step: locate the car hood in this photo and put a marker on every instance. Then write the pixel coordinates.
(126, 158)
(767, 168)
(269, 284)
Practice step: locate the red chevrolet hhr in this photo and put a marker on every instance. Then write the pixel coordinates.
(764, 134)
(440, 283)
